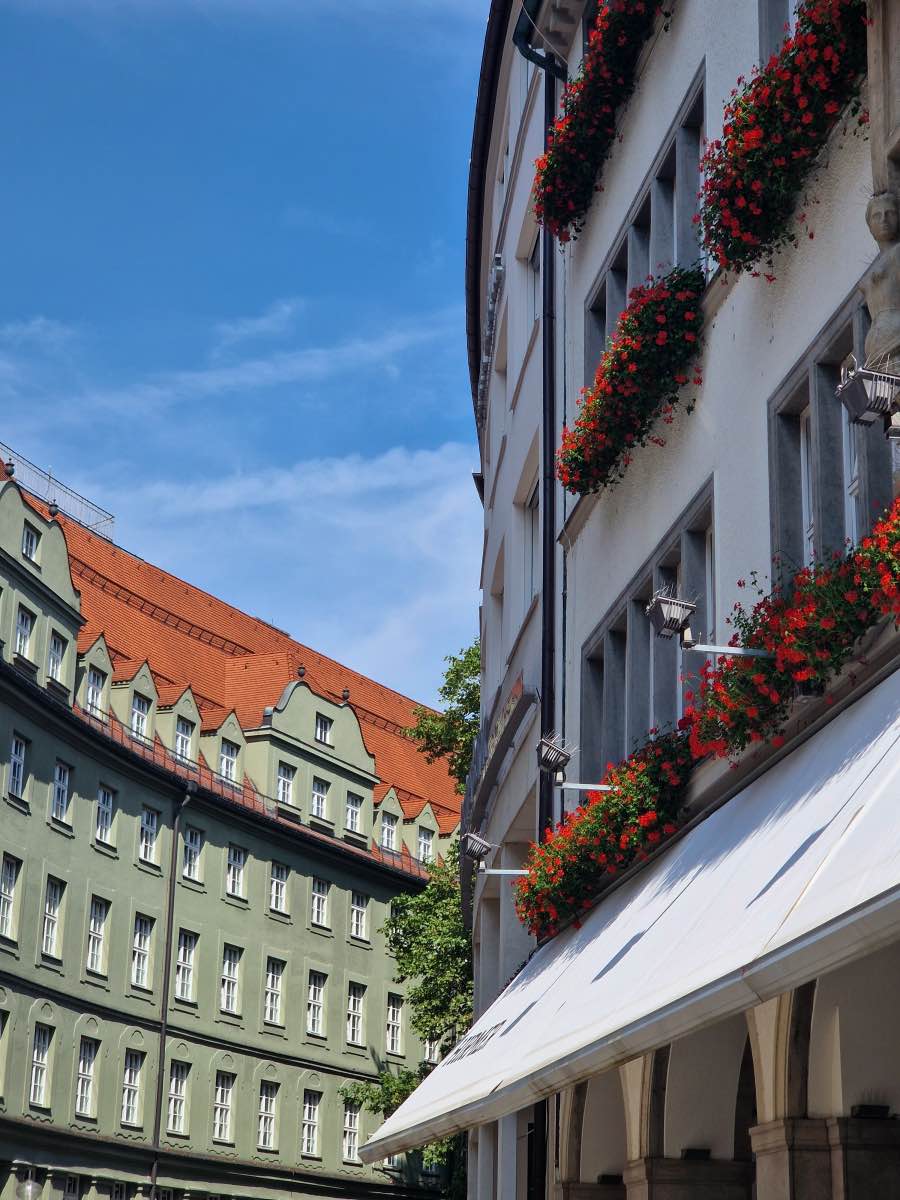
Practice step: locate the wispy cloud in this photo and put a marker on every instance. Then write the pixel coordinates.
(42, 333)
(312, 220)
(277, 321)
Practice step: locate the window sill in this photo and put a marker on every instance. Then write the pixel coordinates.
(18, 802)
(222, 1142)
(236, 901)
(356, 1048)
(41, 1108)
(193, 885)
(323, 824)
(181, 1134)
(396, 1055)
(283, 918)
(140, 993)
(151, 868)
(61, 827)
(183, 1004)
(58, 689)
(321, 931)
(137, 1126)
(9, 945)
(316, 1039)
(228, 1018)
(267, 1150)
(361, 942)
(313, 1158)
(96, 978)
(51, 963)
(274, 1028)
(25, 665)
(104, 848)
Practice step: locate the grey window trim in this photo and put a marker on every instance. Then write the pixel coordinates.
(773, 15)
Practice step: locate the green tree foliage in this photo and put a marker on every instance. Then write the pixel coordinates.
(451, 734)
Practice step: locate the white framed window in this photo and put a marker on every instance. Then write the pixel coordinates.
(807, 492)
(50, 927)
(319, 799)
(222, 1106)
(315, 1004)
(104, 814)
(176, 1108)
(96, 949)
(350, 1143)
(388, 831)
(30, 539)
(24, 626)
(234, 871)
(184, 737)
(393, 1024)
(59, 806)
(193, 844)
(55, 655)
(40, 1064)
(131, 1087)
(432, 1049)
(426, 845)
(359, 906)
(272, 996)
(323, 728)
(228, 758)
(231, 965)
(353, 820)
(854, 521)
(278, 888)
(184, 965)
(356, 997)
(9, 876)
(268, 1099)
(140, 710)
(84, 1080)
(140, 951)
(533, 558)
(309, 1131)
(148, 832)
(94, 696)
(17, 767)
(72, 1190)
(319, 905)
(286, 775)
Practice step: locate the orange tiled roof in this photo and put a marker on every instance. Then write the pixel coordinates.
(233, 661)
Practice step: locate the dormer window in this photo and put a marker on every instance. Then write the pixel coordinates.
(94, 695)
(286, 775)
(354, 812)
(388, 831)
(140, 710)
(24, 627)
(319, 801)
(426, 845)
(228, 757)
(55, 656)
(30, 540)
(184, 732)
(323, 729)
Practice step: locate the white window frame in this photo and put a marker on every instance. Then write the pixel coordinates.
(356, 1014)
(359, 915)
(353, 819)
(94, 692)
(272, 991)
(18, 753)
(350, 1138)
(315, 1003)
(184, 965)
(40, 1064)
(236, 858)
(140, 712)
(853, 515)
(132, 1072)
(59, 804)
(229, 991)
(388, 831)
(176, 1105)
(278, 884)
(191, 851)
(285, 783)
(393, 1031)
(318, 908)
(9, 877)
(324, 726)
(309, 1130)
(224, 1093)
(24, 630)
(30, 541)
(149, 829)
(228, 760)
(96, 943)
(140, 951)
(84, 1079)
(103, 818)
(53, 894)
(318, 802)
(807, 488)
(268, 1112)
(184, 739)
(56, 653)
(426, 844)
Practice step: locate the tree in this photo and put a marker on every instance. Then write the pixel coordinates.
(451, 734)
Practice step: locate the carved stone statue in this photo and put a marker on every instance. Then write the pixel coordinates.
(881, 284)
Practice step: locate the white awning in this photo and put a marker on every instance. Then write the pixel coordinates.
(796, 875)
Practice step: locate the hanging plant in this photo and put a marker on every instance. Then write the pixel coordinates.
(581, 139)
(775, 124)
(640, 378)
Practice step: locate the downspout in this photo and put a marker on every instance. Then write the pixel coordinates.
(167, 977)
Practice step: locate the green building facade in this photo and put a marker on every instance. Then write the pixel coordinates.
(191, 965)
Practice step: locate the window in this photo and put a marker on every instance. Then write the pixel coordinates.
(351, 1132)
(309, 1131)
(278, 888)
(193, 844)
(228, 757)
(534, 282)
(323, 729)
(807, 499)
(17, 767)
(319, 908)
(426, 845)
(272, 996)
(40, 1062)
(853, 511)
(354, 812)
(184, 965)
(140, 951)
(30, 539)
(184, 736)
(104, 814)
(95, 682)
(268, 1097)
(432, 1049)
(140, 709)
(55, 656)
(177, 1102)
(356, 994)
(84, 1080)
(388, 831)
(234, 871)
(533, 557)
(222, 1106)
(319, 802)
(131, 1087)
(50, 928)
(148, 831)
(315, 1004)
(231, 962)
(72, 1189)
(393, 1031)
(286, 775)
(9, 874)
(358, 910)
(119, 1191)
(24, 626)
(96, 956)
(59, 806)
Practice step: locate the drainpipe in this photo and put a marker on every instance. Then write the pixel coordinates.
(167, 977)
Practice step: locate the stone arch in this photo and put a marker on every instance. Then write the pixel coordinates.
(702, 1081)
(604, 1149)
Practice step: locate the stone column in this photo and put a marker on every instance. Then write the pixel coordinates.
(793, 1159)
(865, 1158)
(688, 1179)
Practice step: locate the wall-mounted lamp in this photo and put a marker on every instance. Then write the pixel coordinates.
(476, 847)
(870, 394)
(554, 757)
(669, 615)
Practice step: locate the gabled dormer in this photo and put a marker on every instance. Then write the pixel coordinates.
(389, 822)
(178, 721)
(93, 679)
(133, 698)
(421, 834)
(224, 746)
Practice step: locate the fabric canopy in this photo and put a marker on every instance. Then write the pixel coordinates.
(797, 874)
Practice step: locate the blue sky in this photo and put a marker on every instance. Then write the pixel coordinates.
(232, 313)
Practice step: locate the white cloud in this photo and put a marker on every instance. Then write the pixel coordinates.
(275, 322)
(41, 333)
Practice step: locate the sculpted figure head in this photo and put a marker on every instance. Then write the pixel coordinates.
(883, 218)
